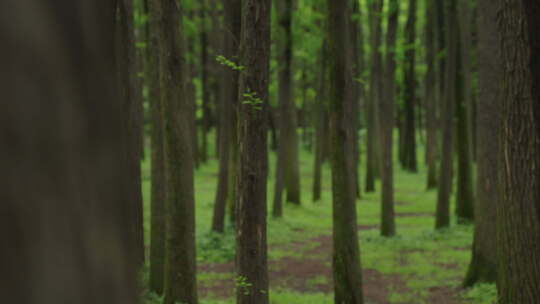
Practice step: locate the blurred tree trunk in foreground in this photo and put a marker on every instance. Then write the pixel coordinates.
(65, 172)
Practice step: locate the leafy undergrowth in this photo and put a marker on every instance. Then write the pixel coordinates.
(417, 266)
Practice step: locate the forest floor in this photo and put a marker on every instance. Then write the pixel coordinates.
(417, 266)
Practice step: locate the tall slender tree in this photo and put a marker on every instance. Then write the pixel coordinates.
(518, 217)
(65, 183)
(409, 90)
(387, 112)
(445, 178)
(180, 270)
(251, 254)
(483, 265)
(346, 258)
(321, 124)
(234, 23)
(431, 96)
(288, 121)
(375, 92)
(158, 191)
(228, 100)
(127, 60)
(205, 78)
(356, 62)
(464, 196)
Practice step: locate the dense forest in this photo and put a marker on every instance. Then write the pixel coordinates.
(270, 151)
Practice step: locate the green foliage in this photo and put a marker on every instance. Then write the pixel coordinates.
(482, 294)
(229, 63)
(251, 98)
(243, 285)
(216, 247)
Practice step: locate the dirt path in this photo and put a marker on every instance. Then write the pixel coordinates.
(309, 270)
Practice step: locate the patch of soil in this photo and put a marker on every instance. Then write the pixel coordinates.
(444, 295)
(303, 274)
(311, 272)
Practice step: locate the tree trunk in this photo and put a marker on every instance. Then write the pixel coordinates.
(431, 98)
(180, 268)
(346, 259)
(288, 125)
(128, 59)
(483, 266)
(388, 225)
(67, 237)
(229, 97)
(355, 28)
(409, 157)
(518, 217)
(440, 36)
(445, 177)
(376, 9)
(465, 196)
(205, 82)
(251, 253)
(320, 127)
(158, 191)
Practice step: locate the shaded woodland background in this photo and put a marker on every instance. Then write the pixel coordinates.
(258, 151)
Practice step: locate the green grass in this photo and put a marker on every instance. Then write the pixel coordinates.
(422, 258)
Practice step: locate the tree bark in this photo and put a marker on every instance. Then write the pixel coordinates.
(158, 190)
(180, 269)
(387, 112)
(288, 125)
(229, 97)
(251, 253)
(445, 177)
(518, 217)
(205, 81)
(355, 28)
(465, 195)
(346, 259)
(409, 157)
(431, 97)
(376, 9)
(321, 125)
(483, 266)
(65, 186)
(127, 60)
